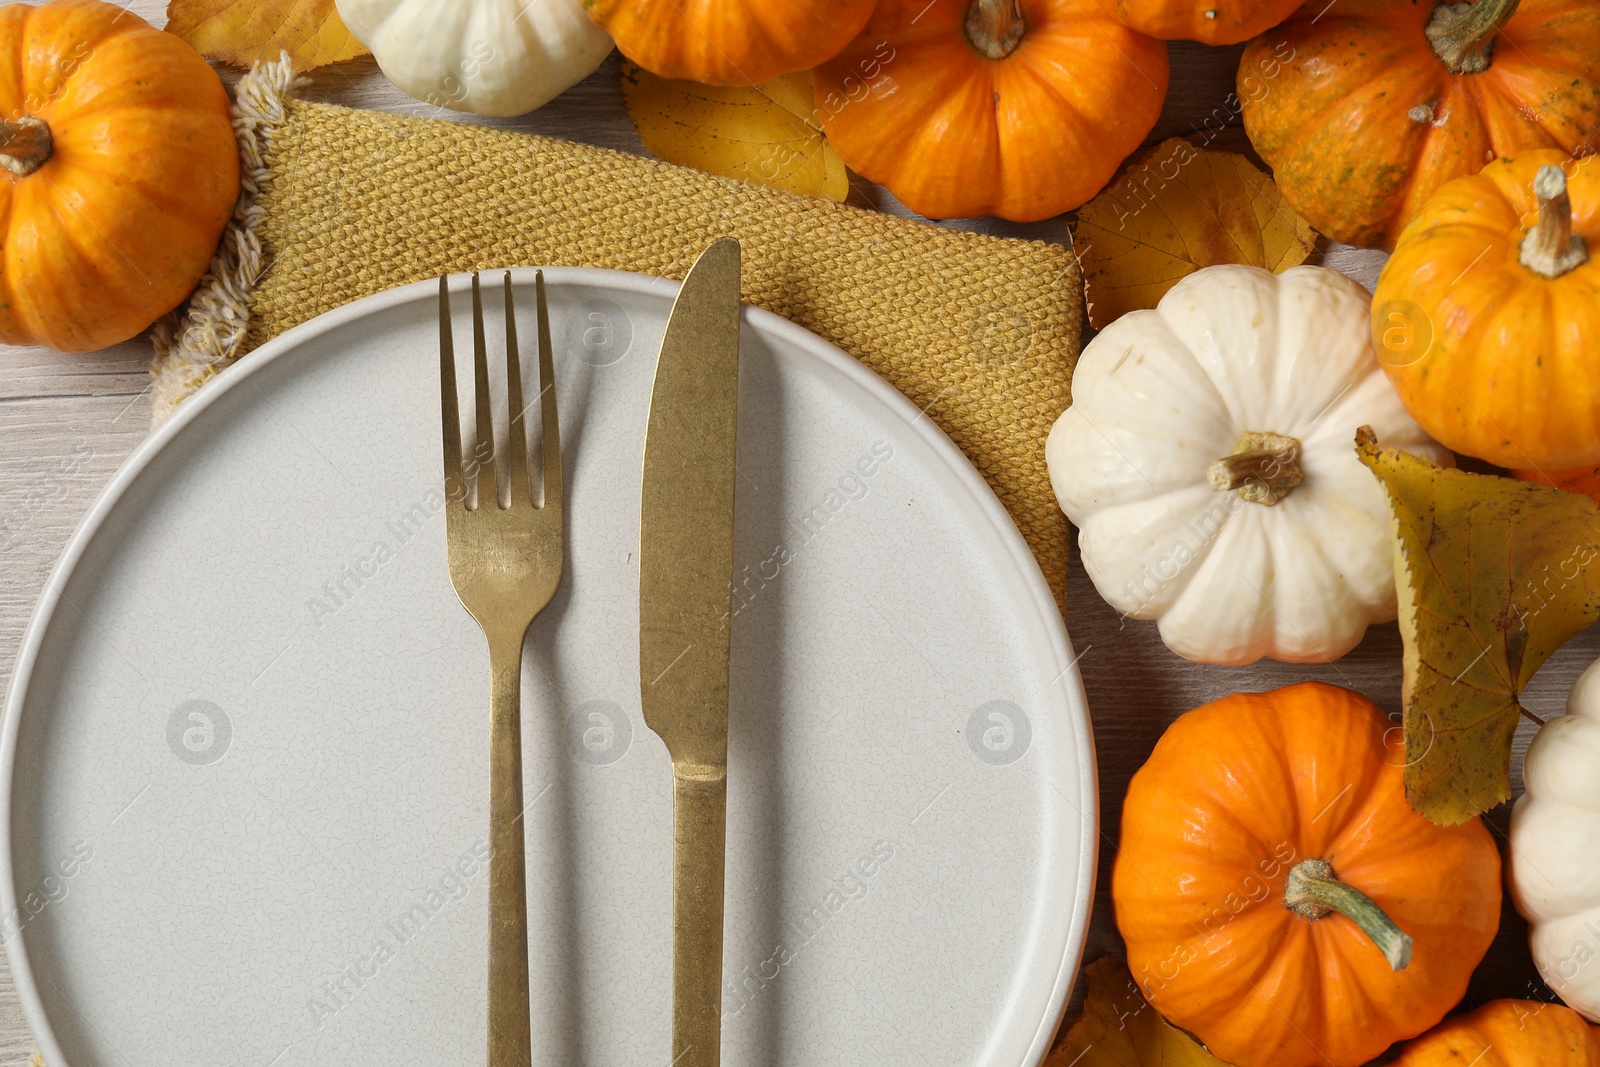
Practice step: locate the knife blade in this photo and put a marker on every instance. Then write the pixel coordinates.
(685, 602)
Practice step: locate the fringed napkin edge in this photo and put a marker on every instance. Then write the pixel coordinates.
(206, 333)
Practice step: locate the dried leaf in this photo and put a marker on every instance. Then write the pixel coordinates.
(243, 31)
(1494, 575)
(1177, 210)
(759, 133)
(1118, 1029)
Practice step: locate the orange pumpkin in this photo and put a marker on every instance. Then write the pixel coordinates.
(729, 42)
(1585, 480)
(1017, 108)
(124, 171)
(1375, 104)
(1507, 1033)
(1503, 305)
(1278, 897)
(1216, 22)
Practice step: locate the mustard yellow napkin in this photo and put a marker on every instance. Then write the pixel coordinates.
(980, 332)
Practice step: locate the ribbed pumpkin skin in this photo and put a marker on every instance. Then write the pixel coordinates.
(1185, 20)
(1335, 124)
(729, 42)
(1235, 794)
(912, 105)
(1507, 1033)
(121, 222)
(1510, 376)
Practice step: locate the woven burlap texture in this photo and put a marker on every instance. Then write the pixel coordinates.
(980, 332)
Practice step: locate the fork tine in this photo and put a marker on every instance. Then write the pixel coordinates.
(521, 483)
(450, 412)
(551, 457)
(483, 453)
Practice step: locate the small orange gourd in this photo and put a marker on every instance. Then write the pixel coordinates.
(123, 170)
(1498, 286)
(1374, 104)
(1585, 480)
(1017, 108)
(1212, 22)
(729, 42)
(1277, 896)
(1507, 1033)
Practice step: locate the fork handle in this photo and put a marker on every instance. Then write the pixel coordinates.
(510, 1038)
(700, 825)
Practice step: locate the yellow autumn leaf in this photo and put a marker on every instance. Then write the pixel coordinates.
(1118, 1029)
(243, 31)
(763, 133)
(1178, 209)
(1494, 575)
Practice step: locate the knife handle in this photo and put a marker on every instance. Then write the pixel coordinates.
(510, 1037)
(700, 828)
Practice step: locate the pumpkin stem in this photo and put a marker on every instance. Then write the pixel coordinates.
(1551, 249)
(995, 27)
(1463, 34)
(1313, 892)
(25, 145)
(1264, 468)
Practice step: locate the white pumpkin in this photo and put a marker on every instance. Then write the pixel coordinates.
(490, 57)
(1280, 369)
(1555, 849)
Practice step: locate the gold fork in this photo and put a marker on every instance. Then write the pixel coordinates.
(505, 562)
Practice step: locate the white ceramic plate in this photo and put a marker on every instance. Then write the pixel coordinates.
(246, 749)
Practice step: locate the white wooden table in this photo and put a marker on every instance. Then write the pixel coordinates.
(68, 421)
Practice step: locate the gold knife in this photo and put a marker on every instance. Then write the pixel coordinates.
(685, 599)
